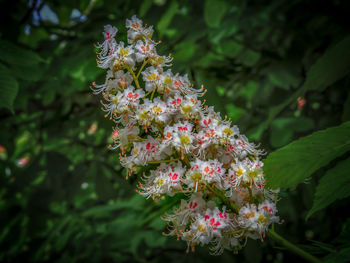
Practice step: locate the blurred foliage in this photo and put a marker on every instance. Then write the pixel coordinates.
(279, 69)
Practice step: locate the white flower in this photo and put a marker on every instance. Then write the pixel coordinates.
(109, 40)
(191, 150)
(144, 50)
(114, 81)
(257, 219)
(205, 171)
(180, 136)
(247, 172)
(123, 79)
(190, 106)
(136, 30)
(122, 137)
(166, 179)
(151, 76)
(183, 85)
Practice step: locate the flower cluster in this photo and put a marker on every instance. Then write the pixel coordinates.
(188, 148)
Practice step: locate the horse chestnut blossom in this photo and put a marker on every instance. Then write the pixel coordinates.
(186, 147)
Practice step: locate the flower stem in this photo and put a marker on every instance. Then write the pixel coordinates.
(154, 90)
(222, 196)
(143, 65)
(163, 161)
(293, 248)
(136, 80)
(233, 232)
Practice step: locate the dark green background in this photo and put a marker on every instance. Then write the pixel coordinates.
(71, 202)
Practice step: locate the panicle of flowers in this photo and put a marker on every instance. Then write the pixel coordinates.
(185, 146)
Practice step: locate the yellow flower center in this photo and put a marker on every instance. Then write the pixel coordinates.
(152, 76)
(253, 174)
(143, 115)
(115, 100)
(186, 108)
(124, 51)
(156, 109)
(201, 228)
(167, 81)
(196, 176)
(262, 219)
(239, 172)
(185, 140)
(160, 182)
(228, 131)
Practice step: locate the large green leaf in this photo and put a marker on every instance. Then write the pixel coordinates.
(333, 186)
(214, 11)
(330, 67)
(8, 88)
(16, 55)
(290, 165)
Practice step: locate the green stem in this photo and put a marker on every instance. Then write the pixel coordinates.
(222, 196)
(233, 232)
(163, 161)
(159, 128)
(154, 90)
(302, 253)
(136, 80)
(187, 162)
(143, 65)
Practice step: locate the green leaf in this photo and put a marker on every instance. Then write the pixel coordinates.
(234, 112)
(282, 75)
(341, 256)
(214, 11)
(15, 55)
(282, 129)
(145, 6)
(334, 185)
(137, 202)
(8, 88)
(344, 236)
(290, 165)
(230, 48)
(248, 57)
(346, 109)
(167, 17)
(185, 51)
(103, 186)
(33, 73)
(333, 65)
(253, 252)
